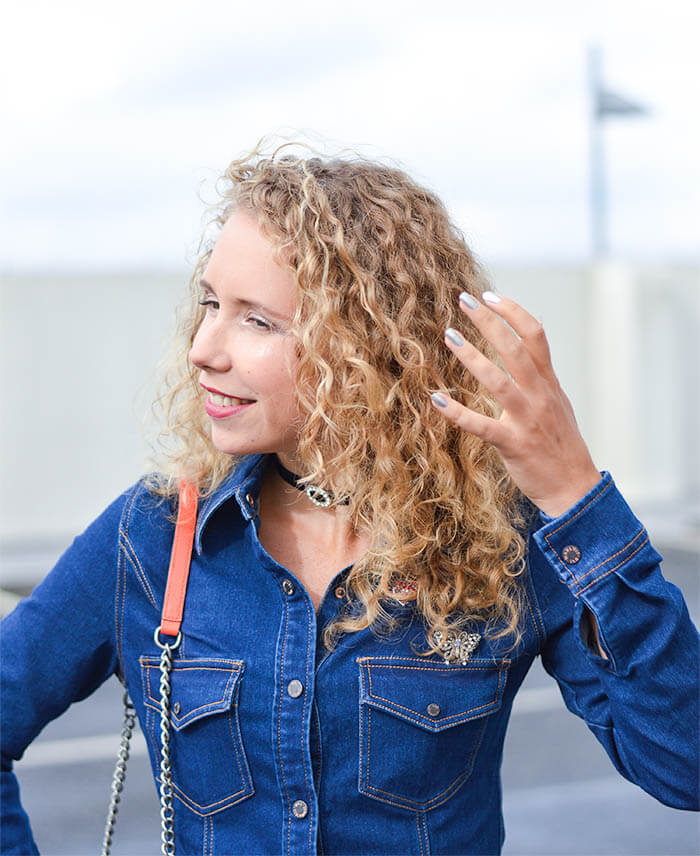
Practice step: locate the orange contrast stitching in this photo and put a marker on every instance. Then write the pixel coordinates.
(235, 748)
(444, 795)
(434, 666)
(279, 727)
(618, 565)
(581, 510)
(306, 701)
(136, 565)
(610, 558)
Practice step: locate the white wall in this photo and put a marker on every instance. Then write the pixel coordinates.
(79, 356)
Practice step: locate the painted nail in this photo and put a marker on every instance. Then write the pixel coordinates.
(438, 399)
(468, 300)
(454, 337)
(491, 297)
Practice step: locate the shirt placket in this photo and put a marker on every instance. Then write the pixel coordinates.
(294, 699)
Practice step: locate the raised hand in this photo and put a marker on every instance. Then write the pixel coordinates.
(536, 433)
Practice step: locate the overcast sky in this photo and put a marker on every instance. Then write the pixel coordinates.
(118, 116)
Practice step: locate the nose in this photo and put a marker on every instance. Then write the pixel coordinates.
(208, 351)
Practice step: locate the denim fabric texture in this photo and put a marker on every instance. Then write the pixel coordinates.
(374, 749)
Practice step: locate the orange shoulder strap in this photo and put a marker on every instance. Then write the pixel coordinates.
(179, 571)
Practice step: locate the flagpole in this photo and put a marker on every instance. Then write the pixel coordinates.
(614, 306)
(598, 194)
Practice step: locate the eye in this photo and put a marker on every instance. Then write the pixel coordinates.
(208, 301)
(260, 323)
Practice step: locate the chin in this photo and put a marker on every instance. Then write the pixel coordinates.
(229, 446)
(232, 445)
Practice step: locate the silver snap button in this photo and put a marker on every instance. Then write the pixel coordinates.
(299, 808)
(249, 499)
(295, 688)
(176, 708)
(433, 709)
(571, 554)
(288, 587)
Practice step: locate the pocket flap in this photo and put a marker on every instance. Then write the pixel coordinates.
(198, 687)
(433, 695)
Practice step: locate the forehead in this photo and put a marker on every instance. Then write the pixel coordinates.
(244, 265)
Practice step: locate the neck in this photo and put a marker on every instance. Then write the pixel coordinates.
(289, 461)
(319, 496)
(280, 499)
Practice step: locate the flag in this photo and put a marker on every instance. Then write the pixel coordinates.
(609, 103)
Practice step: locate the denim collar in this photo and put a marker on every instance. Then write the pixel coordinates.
(243, 482)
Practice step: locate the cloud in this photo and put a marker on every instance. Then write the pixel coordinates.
(125, 115)
(222, 73)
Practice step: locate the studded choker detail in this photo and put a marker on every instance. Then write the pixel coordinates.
(317, 495)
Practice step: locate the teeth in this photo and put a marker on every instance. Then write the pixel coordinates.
(227, 400)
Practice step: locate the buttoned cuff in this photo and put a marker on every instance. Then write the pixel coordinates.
(593, 545)
(595, 537)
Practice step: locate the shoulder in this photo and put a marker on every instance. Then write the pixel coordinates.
(135, 512)
(139, 500)
(142, 511)
(144, 542)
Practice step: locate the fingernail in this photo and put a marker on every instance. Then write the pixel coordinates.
(468, 300)
(436, 398)
(491, 297)
(454, 337)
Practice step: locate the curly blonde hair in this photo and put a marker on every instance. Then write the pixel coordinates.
(379, 267)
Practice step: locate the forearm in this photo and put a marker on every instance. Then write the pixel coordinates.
(629, 662)
(58, 646)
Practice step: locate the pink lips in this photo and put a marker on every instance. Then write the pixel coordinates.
(218, 412)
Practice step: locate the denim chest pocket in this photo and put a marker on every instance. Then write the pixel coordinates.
(210, 770)
(421, 725)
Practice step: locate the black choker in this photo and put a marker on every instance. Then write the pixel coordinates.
(317, 495)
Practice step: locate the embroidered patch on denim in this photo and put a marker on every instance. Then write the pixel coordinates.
(404, 589)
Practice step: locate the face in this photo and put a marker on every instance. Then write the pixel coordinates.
(243, 348)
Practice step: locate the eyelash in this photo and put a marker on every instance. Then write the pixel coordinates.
(261, 321)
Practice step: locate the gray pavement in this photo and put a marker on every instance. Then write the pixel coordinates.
(561, 793)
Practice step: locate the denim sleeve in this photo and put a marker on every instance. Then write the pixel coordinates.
(57, 647)
(641, 699)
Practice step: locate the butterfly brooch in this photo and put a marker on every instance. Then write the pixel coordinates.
(456, 646)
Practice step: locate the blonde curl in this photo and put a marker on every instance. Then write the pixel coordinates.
(378, 266)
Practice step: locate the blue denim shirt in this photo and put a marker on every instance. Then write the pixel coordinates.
(376, 750)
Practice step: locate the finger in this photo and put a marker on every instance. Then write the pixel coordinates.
(485, 427)
(520, 353)
(489, 375)
(512, 350)
(528, 327)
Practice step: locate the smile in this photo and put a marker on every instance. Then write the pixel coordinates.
(227, 400)
(220, 406)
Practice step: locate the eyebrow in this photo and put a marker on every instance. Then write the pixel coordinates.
(251, 303)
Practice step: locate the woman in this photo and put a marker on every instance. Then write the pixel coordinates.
(350, 651)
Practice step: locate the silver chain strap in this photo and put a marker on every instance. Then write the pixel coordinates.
(167, 834)
(119, 773)
(167, 813)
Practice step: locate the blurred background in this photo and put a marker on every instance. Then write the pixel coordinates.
(563, 138)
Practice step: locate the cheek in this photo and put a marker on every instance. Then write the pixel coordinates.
(286, 368)
(287, 391)
(271, 370)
